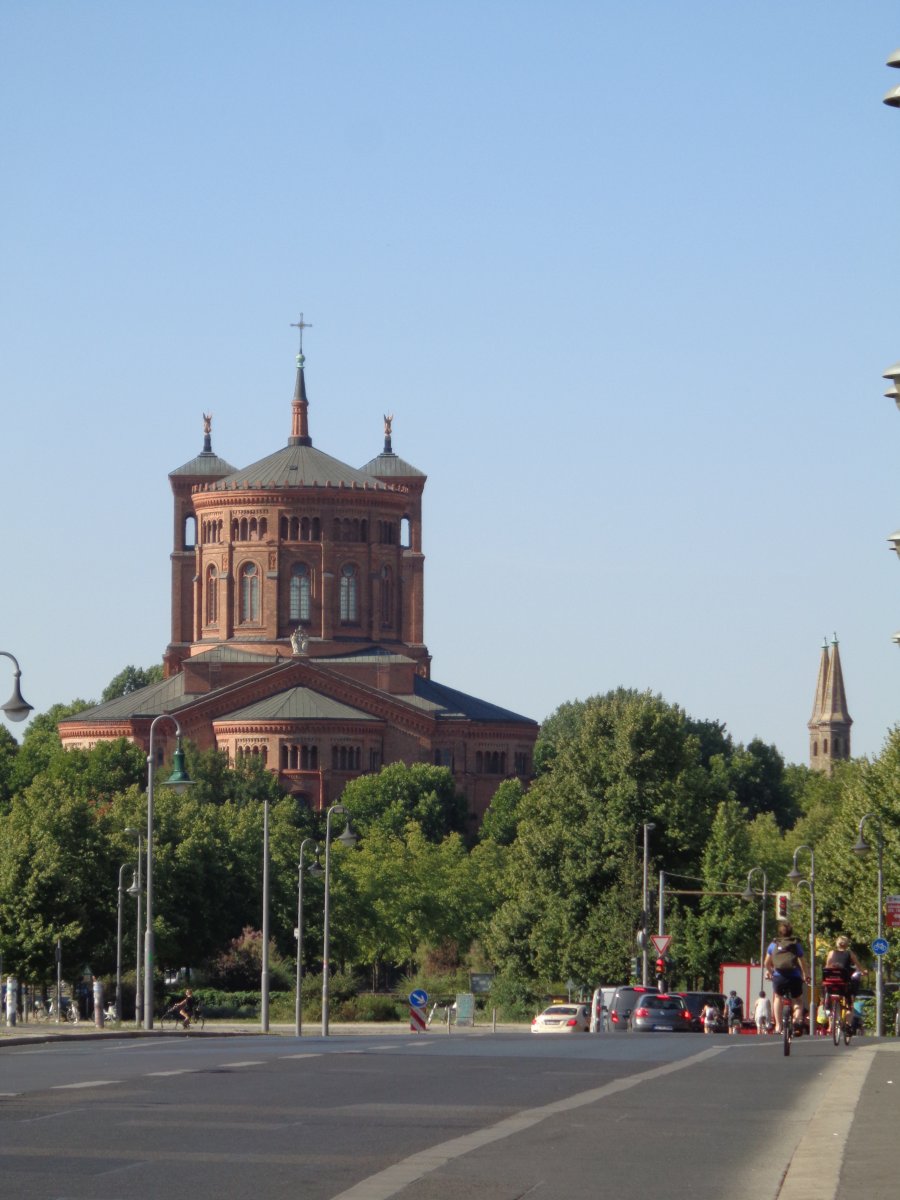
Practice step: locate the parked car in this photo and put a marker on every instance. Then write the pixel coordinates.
(562, 1018)
(696, 1001)
(661, 1013)
(626, 999)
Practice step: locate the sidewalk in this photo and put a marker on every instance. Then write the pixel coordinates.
(47, 1031)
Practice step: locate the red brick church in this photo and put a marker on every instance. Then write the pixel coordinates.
(298, 628)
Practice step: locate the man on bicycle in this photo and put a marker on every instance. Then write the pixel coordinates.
(785, 966)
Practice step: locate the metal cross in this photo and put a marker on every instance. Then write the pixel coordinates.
(301, 325)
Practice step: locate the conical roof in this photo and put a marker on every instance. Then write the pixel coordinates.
(388, 464)
(206, 462)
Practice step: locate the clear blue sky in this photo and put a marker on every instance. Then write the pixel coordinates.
(625, 273)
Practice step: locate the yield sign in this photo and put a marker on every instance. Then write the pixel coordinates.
(662, 941)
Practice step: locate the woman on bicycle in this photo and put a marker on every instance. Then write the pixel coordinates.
(843, 970)
(785, 966)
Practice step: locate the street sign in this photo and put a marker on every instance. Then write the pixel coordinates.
(881, 946)
(662, 941)
(418, 998)
(892, 913)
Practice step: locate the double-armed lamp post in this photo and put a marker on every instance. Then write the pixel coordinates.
(179, 781)
(348, 838)
(302, 869)
(748, 895)
(795, 878)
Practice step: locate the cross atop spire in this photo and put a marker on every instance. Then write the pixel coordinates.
(301, 325)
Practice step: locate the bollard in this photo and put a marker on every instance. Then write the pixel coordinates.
(98, 1002)
(12, 999)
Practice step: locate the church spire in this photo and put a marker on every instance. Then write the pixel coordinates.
(829, 725)
(300, 404)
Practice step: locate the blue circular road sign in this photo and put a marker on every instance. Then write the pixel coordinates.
(881, 946)
(418, 998)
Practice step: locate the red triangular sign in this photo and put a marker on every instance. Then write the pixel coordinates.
(662, 941)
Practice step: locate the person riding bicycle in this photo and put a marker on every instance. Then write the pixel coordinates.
(186, 1007)
(786, 968)
(843, 971)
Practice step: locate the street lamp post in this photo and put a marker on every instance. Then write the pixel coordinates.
(348, 837)
(748, 895)
(136, 890)
(264, 974)
(314, 869)
(862, 848)
(124, 867)
(645, 903)
(17, 707)
(179, 781)
(794, 876)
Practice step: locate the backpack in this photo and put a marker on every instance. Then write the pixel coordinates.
(785, 957)
(735, 1004)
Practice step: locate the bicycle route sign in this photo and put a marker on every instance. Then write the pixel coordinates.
(881, 946)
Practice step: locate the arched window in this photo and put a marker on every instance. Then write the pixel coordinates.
(316, 529)
(299, 596)
(249, 592)
(387, 597)
(212, 596)
(825, 745)
(405, 533)
(349, 593)
(189, 536)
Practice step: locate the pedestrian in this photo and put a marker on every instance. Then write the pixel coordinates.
(710, 1015)
(735, 1012)
(762, 1013)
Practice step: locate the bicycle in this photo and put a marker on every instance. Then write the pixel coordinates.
(172, 1018)
(841, 1021)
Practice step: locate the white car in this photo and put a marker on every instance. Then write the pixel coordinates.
(562, 1018)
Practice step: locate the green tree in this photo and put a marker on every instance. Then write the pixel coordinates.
(131, 679)
(401, 793)
(501, 821)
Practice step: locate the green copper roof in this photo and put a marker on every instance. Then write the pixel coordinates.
(298, 704)
(297, 466)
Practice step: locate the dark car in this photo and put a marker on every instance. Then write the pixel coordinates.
(623, 1003)
(661, 1013)
(696, 1001)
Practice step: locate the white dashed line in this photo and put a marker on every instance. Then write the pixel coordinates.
(180, 1071)
(317, 1054)
(258, 1062)
(60, 1087)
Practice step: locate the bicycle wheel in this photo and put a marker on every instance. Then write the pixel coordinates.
(847, 1022)
(787, 1026)
(835, 1022)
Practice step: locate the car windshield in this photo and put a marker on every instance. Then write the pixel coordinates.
(560, 1010)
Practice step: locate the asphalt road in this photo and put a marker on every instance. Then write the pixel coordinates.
(486, 1116)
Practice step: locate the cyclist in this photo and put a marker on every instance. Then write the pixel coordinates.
(785, 966)
(186, 1007)
(843, 970)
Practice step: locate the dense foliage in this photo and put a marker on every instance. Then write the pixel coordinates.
(550, 889)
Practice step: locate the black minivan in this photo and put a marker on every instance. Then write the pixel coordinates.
(696, 1001)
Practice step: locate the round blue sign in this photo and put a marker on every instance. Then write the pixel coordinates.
(881, 946)
(418, 998)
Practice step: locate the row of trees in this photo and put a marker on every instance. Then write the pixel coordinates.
(549, 889)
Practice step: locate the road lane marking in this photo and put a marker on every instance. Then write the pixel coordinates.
(180, 1071)
(59, 1087)
(252, 1062)
(312, 1054)
(394, 1179)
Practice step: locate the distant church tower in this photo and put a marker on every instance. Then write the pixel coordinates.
(829, 725)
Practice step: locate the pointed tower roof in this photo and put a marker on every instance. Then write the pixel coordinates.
(819, 700)
(206, 462)
(834, 704)
(389, 465)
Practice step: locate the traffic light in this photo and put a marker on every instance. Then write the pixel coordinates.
(661, 966)
(782, 904)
